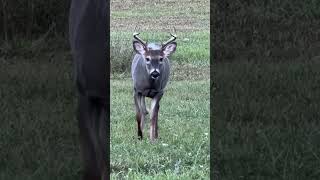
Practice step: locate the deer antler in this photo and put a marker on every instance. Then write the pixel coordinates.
(173, 37)
(135, 35)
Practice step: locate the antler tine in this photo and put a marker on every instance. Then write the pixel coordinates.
(174, 30)
(135, 35)
(173, 38)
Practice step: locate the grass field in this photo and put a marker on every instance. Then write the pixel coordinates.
(265, 115)
(266, 90)
(39, 133)
(266, 121)
(182, 152)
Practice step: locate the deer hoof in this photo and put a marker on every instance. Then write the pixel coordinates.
(140, 135)
(153, 140)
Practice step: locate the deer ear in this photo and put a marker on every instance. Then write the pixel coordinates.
(169, 49)
(138, 47)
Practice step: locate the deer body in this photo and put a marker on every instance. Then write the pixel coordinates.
(88, 22)
(150, 72)
(143, 83)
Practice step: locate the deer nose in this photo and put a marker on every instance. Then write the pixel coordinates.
(155, 75)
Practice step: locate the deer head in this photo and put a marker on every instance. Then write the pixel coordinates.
(153, 54)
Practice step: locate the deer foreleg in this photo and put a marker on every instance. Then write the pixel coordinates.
(139, 115)
(143, 112)
(155, 105)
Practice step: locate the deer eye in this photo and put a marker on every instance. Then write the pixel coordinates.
(161, 59)
(147, 59)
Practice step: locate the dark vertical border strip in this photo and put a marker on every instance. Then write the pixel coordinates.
(108, 87)
(269, 63)
(212, 34)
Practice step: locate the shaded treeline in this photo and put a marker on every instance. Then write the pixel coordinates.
(265, 30)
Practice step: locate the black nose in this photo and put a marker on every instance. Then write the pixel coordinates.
(155, 74)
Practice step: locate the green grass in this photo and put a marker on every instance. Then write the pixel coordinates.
(189, 18)
(266, 121)
(39, 134)
(159, 15)
(182, 152)
(265, 31)
(143, 9)
(193, 48)
(265, 116)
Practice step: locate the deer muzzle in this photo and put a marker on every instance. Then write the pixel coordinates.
(155, 74)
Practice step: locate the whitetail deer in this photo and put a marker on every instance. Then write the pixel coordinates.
(88, 23)
(150, 73)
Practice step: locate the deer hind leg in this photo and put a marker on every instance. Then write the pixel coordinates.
(155, 106)
(139, 115)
